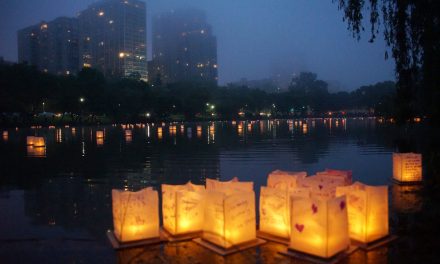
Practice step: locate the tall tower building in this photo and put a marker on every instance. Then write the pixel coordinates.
(50, 46)
(184, 48)
(113, 38)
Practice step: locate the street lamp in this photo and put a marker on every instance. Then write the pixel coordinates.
(81, 99)
(43, 107)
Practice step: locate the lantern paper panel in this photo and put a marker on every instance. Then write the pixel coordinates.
(319, 227)
(321, 186)
(229, 187)
(285, 180)
(347, 176)
(407, 167)
(229, 219)
(367, 208)
(274, 212)
(135, 214)
(183, 208)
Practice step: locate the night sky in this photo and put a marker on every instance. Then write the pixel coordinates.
(256, 38)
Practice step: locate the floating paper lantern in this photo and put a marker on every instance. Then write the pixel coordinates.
(135, 214)
(274, 212)
(285, 180)
(229, 218)
(128, 133)
(39, 142)
(367, 211)
(183, 208)
(99, 134)
(319, 226)
(30, 140)
(407, 167)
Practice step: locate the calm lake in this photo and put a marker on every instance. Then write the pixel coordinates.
(56, 203)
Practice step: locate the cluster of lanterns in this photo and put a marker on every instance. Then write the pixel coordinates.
(36, 147)
(320, 215)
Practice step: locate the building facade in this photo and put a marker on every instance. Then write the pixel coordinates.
(184, 48)
(113, 38)
(50, 46)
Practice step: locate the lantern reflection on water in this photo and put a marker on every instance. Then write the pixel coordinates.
(135, 214)
(319, 226)
(159, 132)
(367, 208)
(406, 198)
(5, 135)
(183, 208)
(33, 152)
(407, 167)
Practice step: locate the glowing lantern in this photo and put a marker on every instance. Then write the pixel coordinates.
(229, 218)
(407, 167)
(39, 142)
(99, 134)
(183, 208)
(319, 226)
(30, 140)
(135, 214)
(285, 180)
(274, 212)
(367, 211)
(5, 135)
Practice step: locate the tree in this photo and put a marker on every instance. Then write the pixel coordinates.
(412, 29)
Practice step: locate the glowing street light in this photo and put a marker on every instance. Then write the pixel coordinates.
(82, 99)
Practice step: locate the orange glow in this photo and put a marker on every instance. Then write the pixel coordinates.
(36, 152)
(407, 167)
(135, 214)
(30, 140)
(100, 141)
(159, 133)
(39, 142)
(99, 134)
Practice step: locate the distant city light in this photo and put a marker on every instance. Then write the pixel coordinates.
(81, 99)
(121, 55)
(101, 13)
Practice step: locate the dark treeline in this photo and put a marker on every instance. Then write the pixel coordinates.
(25, 93)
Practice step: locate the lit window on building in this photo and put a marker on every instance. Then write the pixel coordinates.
(215, 66)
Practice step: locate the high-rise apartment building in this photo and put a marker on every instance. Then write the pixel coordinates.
(113, 38)
(184, 48)
(50, 46)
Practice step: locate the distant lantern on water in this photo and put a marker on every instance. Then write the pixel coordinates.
(319, 226)
(407, 167)
(128, 133)
(367, 211)
(183, 208)
(30, 140)
(135, 215)
(99, 134)
(39, 142)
